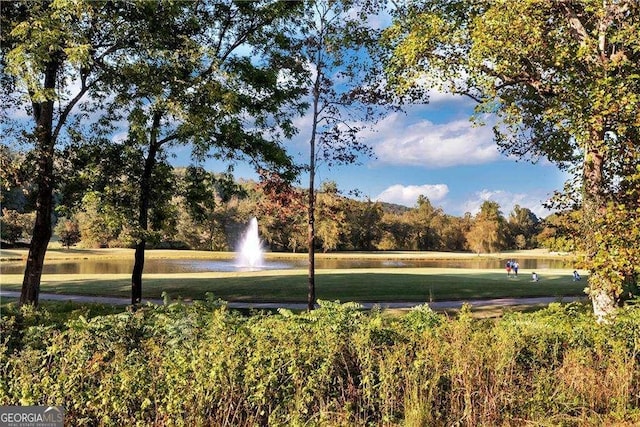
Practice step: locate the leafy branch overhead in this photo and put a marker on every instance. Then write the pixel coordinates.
(559, 77)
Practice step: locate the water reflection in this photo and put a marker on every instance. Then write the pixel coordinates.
(167, 266)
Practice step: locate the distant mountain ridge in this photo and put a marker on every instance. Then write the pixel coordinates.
(394, 208)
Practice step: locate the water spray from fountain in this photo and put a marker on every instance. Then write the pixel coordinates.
(250, 252)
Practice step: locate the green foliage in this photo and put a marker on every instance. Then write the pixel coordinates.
(202, 364)
(67, 231)
(617, 259)
(15, 225)
(422, 318)
(523, 226)
(561, 81)
(208, 211)
(16, 169)
(99, 222)
(489, 230)
(560, 232)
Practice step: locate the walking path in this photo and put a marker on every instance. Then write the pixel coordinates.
(436, 305)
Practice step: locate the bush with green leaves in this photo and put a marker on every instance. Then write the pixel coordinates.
(203, 364)
(15, 225)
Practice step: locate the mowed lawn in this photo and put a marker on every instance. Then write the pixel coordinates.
(362, 285)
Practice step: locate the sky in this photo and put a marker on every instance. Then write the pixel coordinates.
(432, 150)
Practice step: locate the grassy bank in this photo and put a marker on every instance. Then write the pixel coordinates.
(363, 285)
(201, 364)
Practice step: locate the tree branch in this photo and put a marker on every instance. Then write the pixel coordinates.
(575, 23)
(84, 88)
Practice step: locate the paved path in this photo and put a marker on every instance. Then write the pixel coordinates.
(436, 305)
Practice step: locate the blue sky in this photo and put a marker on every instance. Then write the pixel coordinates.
(431, 150)
(435, 151)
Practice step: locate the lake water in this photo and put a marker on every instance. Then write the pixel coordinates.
(167, 266)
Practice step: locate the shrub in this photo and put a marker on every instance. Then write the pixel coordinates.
(15, 225)
(202, 364)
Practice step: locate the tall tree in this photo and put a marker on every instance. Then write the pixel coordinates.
(524, 223)
(216, 77)
(561, 77)
(396, 232)
(332, 217)
(281, 208)
(363, 224)
(560, 231)
(339, 46)
(452, 233)
(424, 218)
(489, 229)
(207, 213)
(53, 54)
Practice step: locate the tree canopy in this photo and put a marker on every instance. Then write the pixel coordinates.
(558, 79)
(54, 54)
(216, 75)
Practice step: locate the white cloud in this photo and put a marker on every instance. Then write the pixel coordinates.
(439, 97)
(423, 143)
(408, 195)
(507, 200)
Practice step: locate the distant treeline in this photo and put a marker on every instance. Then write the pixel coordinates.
(197, 209)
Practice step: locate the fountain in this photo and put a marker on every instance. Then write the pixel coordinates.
(249, 255)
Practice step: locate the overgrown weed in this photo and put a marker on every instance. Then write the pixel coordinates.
(202, 364)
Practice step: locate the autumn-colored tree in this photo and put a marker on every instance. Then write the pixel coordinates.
(396, 232)
(488, 232)
(331, 212)
(15, 225)
(68, 231)
(282, 211)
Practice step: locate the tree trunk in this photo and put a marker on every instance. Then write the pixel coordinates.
(311, 235)
(138, 267)
(311, 238)
(41, 230)
(45, 143)
(311, 231)
(604, 302)
(143, 214)
(601, 290)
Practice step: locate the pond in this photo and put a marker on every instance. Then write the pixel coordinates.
(168, 266)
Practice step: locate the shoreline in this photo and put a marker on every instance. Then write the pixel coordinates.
(60, 254)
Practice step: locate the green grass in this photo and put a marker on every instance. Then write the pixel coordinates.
(362, 285)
